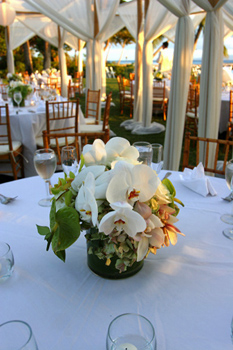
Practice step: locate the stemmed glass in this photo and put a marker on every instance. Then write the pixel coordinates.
(69, 159)
(45, 164)
(228, 218)
(157, 157)
(17, 98)
(145, 152)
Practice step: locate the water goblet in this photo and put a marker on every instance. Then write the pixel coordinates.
(45, 164)
(157, 157)
(228, 218)
(17, 98)
(6, 261)
(69, 160)
(17, 335)
(145, 152)
(131, 332)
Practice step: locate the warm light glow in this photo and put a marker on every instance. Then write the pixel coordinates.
(7, 14)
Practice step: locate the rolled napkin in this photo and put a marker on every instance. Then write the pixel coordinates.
(196, 181)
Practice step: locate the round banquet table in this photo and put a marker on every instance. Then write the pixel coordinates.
(184, 290)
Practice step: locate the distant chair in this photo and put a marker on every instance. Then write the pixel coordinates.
(101, 131)
(131, 76)
(3, 91)
(191, 161)
(112, 73)
(108, 73)
(230, 119)
(192, 116)
(93, 105)
(10, 151)
(160, 101)
(61, 117)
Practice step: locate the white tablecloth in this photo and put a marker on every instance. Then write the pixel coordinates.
(185, 290)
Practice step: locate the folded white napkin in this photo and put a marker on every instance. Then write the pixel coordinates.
(196, 181)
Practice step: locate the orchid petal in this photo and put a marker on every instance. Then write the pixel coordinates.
(144, 180)
(157, 238)
(96, 170)
(142, 248)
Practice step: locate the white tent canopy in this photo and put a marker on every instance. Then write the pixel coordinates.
(90, 20)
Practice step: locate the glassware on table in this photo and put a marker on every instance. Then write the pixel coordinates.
(6, 262)
(17, 335)
(131, 332)
(69, 159)
(145, 152)
(45, 163)
(228, 218)
(17, 98)
(157, 157)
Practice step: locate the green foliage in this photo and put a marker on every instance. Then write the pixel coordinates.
(64, 229)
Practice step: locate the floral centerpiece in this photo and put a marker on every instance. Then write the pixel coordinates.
(122, 206)
(158, 75)
(15, 86)
(14, 77)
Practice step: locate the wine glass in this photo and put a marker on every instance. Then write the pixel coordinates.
(228, 218)
(145, 152)
(17, 334)
(17, 98)
(157, 157)
(69, 159)
(45, 164)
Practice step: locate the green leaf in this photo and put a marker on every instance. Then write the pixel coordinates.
(68, 197)
(61, 255)
(169, 186)
(67, 229)
(81, 163)
(43, 230)
(178, 201)
(53, 215)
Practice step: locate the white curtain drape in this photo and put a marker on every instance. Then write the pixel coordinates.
(158, 21)
(183, 55)
(128, 12)
(211, 72)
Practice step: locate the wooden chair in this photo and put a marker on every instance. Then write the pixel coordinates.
(230, 120)
(192, 116)
(127, 95)
(10, 151)
(160, 101)
(100, 131)
(61, 117)
(218, 166)
(93, 106)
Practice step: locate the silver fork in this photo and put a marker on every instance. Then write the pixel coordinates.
(6, 200)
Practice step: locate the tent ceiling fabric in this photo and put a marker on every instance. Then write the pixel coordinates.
(77, 18)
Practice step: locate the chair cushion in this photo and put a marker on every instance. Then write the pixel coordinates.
(159, 99)
(61, 141)
(4, 149)
(191, 115)
(90, 128)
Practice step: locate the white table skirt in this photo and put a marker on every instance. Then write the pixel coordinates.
(185, 290)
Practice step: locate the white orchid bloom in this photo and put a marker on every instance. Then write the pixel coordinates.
(123, 218)
(95, 153)
(101, 184)
(132, 183)
(119, 148)
(96, 170)
(85, 202)
(9, 75)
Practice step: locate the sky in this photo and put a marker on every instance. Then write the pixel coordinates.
(129, 50)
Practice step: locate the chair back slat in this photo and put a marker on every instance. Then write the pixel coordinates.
(211, 160)
(93, 104)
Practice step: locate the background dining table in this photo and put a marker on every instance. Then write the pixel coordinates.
(184, 290)
(26, 126)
